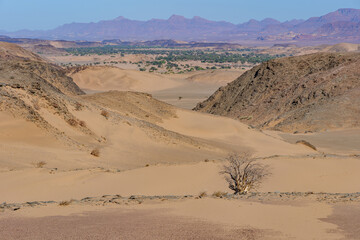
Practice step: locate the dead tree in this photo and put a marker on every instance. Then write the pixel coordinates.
(243, 173)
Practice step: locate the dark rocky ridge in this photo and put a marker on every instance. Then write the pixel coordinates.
(306, 93)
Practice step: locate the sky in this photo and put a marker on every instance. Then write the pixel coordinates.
(48, 14)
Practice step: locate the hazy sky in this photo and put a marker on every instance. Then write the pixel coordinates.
(47, 14)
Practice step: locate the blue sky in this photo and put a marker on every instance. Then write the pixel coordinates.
(47, 14)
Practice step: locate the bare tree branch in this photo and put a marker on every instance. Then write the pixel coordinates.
(243, 173)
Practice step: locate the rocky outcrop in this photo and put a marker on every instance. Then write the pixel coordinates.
(307, 93)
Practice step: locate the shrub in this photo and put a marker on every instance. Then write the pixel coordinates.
(82, 123)
(202, 194)
(243, 173)
(95, 152)
(64, 203)
(40, 164)
(78, 106)
(219, 194)
(72, 122)
(105, 113)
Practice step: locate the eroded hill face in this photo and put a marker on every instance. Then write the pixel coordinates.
(306, 93)
(11, 51)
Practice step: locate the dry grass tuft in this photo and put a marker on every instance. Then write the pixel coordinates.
(82, 123)
(72, 122)
(105, 113)
(219, 194)
(40, 164)
(78, 106)
(202, 194)
(95, 152)
(306, 143)
(65, 203)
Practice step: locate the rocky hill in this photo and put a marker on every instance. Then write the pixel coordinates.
(24, 68)
(9, 51)
(306, 93)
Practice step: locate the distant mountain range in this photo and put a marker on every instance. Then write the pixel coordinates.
(338, 26)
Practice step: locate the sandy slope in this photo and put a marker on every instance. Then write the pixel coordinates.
(145, 131)
(288, 175)
(113, 78)
(134, 136)
(341, 141)
(191, 87)
(230, 132)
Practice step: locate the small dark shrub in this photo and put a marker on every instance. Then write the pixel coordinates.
(78, 106)
(82, 123)
(95, 153)
(106, 114)
(72, 122)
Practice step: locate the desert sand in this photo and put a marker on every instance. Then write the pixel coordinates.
(155, 173)
(181, 90)
(76, 175)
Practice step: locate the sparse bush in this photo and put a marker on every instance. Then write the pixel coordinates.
(40, 164)
(202, 194)
(243, 173)
(105, 113)
(219, 194)
(55, 105)
(95, 152)
(306, 143)
(78, 106)
(82, 123)
(72, 122)
(65, 203)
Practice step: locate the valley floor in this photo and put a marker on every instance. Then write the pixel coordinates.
(194, 218)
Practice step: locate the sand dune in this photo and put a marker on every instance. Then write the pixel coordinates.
(113, 78)
(305, 174)
(191, 87)
(146, 131)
